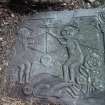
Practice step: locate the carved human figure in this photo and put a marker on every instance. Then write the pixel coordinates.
(75, 56)
(45, 84)
(24, 72)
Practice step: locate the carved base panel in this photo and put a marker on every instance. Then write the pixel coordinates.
(60, 55)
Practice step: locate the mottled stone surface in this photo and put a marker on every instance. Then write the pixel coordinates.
(60, 55)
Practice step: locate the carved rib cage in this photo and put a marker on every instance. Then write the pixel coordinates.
(58, 55)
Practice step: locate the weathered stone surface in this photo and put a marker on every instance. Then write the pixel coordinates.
(61, 55)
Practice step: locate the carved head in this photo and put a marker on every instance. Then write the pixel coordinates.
(69, 31)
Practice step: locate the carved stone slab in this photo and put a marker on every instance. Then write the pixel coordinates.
(60, 55)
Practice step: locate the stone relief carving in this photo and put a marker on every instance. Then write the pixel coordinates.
(25, 37)
(75, 56)
(47, 87)
(102, 16)
(89, 70)
(66, 64)
(24, 72)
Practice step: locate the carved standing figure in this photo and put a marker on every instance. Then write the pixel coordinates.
(75, 56)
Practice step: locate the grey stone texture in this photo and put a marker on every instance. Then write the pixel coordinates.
(59, 54)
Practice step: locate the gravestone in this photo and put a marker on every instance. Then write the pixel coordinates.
(61, 55)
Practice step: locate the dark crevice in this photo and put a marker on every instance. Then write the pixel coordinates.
(27, 6)
(22, 7)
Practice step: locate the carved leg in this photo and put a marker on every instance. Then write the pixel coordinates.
(27, 71)
(75, 72)
(66, 73)
(72, 71)
(21, 73)
(72, 75)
